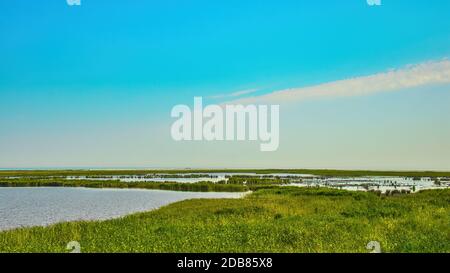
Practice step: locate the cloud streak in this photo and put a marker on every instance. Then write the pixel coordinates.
(235, 94)
(429, 73)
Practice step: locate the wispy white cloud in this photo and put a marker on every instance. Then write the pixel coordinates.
(235, 94)
(428, 73)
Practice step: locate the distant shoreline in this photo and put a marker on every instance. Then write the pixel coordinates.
(322, 172)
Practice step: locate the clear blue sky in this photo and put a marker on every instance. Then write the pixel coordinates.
(93, 85)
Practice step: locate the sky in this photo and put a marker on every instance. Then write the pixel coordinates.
(359, 86)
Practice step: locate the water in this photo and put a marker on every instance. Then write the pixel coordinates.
(212, 178)
(361, 183)
(22, 207)
(208, 177)
(378, 183)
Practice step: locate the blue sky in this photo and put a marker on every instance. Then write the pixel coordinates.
(93, 85)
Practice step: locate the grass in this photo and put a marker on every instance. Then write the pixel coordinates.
(281, 219)
(55, 182)
(323, 172)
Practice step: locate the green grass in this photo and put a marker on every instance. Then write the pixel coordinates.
(281, 219)
(55, 182)
(323, 172)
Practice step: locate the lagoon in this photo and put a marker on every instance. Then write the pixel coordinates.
(34, 206)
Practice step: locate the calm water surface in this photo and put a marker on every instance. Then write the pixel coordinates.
(20, 207)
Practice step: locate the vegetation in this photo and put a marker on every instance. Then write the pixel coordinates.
(322, 172)
(280, 219)
(253, 180)
(199, 186)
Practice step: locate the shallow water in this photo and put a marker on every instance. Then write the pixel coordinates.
(20, 207)
(361, 183)
(377, 183)
(152, 179)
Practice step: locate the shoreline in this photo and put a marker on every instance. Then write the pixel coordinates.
(322, 172)
(238, 196)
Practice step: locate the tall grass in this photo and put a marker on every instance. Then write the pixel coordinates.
(199, 186)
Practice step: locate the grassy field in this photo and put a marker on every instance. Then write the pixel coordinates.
(323, 172)
(281, 219)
